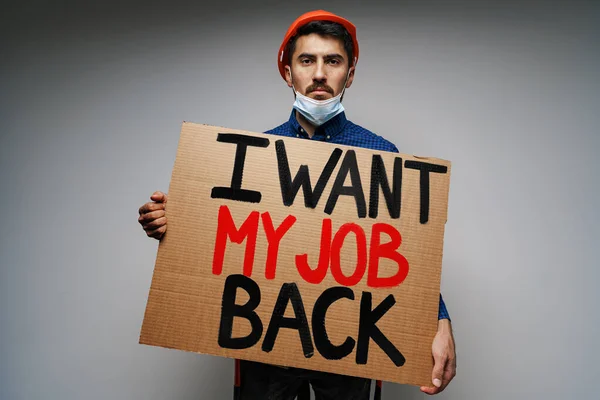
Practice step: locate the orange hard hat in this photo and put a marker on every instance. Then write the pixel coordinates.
(318, 15)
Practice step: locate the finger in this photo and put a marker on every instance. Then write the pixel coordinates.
(150, 216)
(155, 224)
(438, 370)
(449, 373)
(157, 233)
(430, 390)
(436, 375)
(159, 197)
(151, 206)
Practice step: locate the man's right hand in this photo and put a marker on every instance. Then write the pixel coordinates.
(152, 215)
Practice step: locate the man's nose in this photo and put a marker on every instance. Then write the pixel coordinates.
(319, 75)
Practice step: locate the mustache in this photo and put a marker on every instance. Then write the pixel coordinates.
(319, 86)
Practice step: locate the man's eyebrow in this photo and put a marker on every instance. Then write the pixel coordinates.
(308, 55)
(328, 56)
(334, 55)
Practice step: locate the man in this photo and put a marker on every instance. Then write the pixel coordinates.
(317, 59)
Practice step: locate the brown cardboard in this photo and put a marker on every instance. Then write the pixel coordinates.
(185, 301)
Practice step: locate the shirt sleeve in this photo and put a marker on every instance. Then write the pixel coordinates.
(443, 312)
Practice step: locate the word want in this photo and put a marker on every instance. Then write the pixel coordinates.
(348, 167)
(329, 254)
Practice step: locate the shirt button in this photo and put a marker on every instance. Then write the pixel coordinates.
(297, 135)
(301, 130)
(328, 137)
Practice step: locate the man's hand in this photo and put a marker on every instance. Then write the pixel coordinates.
(444, 358)
(152, 215)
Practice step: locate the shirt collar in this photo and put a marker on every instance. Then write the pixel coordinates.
(330, 128)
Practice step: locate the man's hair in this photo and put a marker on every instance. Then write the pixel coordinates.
(324, 28)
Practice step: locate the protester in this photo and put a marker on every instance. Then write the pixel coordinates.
(317, 59)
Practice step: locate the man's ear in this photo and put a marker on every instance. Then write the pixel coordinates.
(288, 75)
(350, 77)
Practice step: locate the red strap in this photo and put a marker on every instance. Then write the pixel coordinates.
(378, 385)
(238, 378)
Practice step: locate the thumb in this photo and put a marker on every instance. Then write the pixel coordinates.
(438, 371)
(159, 197)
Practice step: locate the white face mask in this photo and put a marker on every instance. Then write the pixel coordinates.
(317, 112)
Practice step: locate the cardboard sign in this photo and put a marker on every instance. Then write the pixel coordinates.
(300, 253)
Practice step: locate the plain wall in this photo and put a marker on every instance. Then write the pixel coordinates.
(91, 103)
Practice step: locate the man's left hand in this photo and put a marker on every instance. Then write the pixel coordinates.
(444, 357)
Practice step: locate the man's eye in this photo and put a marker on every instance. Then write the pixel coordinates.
(334, 61)
(305, 61)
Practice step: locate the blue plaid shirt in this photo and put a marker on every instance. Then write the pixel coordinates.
(339, 130)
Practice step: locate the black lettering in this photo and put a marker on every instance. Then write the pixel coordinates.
(289, 293)
(235, 191)
(229, 310)
(379, 178)
(368, 329)
(349, 165)
(327, 349)
(289, 188)
(425, 169)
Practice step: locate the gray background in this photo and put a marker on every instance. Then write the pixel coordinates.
(91, 102)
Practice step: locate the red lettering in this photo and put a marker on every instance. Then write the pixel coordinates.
(226, 228)
(361, 254)
(318, 274)
(329, 251)
(274, 237)
(386, 250)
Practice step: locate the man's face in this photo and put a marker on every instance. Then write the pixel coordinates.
(319, 67)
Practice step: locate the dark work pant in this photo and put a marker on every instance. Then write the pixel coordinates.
(269, 382)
